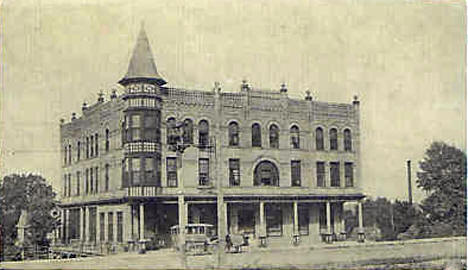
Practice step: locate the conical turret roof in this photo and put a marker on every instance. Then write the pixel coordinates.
(142, 66)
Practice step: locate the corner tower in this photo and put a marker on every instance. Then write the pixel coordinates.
(142, 118)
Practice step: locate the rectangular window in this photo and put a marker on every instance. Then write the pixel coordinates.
(334, 174)
(296, 173)
(320, 174)
(106, 176)
(78, 183)
(110, 227)
(87, 147)
(91, 146)
(78, 150)
(69, 154)
(119, 227)
(136, 171)
(64, 185)
(91, 180)
(96, 180)
(96, 141)
(102, 222)
(171, 171)
(65, 155)
(203, 171)
(86, 181)
(234, 172)
(107, 140)
(149, 171)
(303, 220)
(349, 174)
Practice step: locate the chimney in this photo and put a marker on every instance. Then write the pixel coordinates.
(308, 97)
(283, 88)
(62, 121)
(410, 191)
(84, 107)
(244, 85)
(217, 87)
(100, 97)
(114, 94)
(356, 101)
(73, 117)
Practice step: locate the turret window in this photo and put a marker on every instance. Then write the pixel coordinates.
(136, 127)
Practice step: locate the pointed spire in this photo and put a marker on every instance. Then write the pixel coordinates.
(142, 66)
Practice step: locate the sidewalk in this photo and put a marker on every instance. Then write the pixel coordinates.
(336, 255)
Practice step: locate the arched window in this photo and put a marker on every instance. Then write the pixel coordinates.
(266, 174)
(233, 130)
(348, 141)
(170, 126)
(333, 139)
(256, 135)
(203, 133)
(188, 131)
(319, 139)
(295, 139)
(274, 136)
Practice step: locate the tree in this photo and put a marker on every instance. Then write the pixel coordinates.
(33, 194)
(443, 176)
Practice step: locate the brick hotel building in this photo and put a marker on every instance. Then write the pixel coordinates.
(255, 162)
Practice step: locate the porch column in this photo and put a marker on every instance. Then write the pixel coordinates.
(182, 219)
(361, 227)
(67, 225)
(262, 219)
(142, 221)
(98, 226)
(328, 236)
(328, 209)
(296, 219)
(114, 227)
(87, 233)
(82, 224)
(262, 235)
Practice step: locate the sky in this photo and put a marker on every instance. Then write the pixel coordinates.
(406, 60)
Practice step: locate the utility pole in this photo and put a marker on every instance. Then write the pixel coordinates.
(410, 191)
